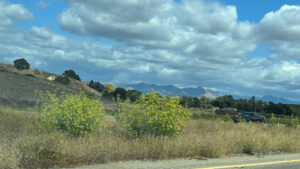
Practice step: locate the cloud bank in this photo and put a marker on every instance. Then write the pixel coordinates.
(191, 43)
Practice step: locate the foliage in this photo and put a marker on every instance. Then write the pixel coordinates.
(278, 109)
(120, 92)
(62, 79)
(273, 120)
(224, 101)
(155, 115)
(71, 74)
(76, 114)
(110, 88)
(292, 121)
(134, 95)
(97, 86)
(21, 64)
(205, 103)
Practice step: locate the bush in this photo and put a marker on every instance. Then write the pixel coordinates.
(273, 119)
(154, 115)
(120, 92)
(97, 86)
(71, 74)
(76, 114)
(292, 121)
(62, 79)
(134, 95)
(21, 64)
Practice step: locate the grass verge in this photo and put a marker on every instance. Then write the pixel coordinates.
(24, 143)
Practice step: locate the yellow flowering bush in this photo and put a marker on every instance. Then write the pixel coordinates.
(154, 115)
(75, 113)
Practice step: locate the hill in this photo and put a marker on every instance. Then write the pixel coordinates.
(17, 87)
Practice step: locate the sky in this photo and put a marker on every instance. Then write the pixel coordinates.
(238, 47)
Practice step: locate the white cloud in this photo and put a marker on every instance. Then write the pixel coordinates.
(206, 29)
(13, 13)
(42, 4)
(281, 25)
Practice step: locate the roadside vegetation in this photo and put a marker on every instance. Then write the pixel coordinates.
(28, 141)
(73, 128)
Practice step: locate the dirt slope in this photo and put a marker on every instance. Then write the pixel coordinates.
(18, 88)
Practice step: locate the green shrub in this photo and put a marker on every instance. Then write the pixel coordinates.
(71, 74)
(292, 121)
(154, 115)
(21, 64)
(272, 120)
(62, 79)
(76, 114)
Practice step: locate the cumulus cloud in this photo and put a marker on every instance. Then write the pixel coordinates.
(281, 25)
(13, 13)
(206, 29)
(42, 5)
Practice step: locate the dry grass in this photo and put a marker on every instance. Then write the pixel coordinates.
(25, 143)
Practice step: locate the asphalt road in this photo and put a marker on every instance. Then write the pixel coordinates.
(281, 161)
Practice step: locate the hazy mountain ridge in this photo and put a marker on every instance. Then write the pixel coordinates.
(171, 90)
(168, 90)
(268, 98)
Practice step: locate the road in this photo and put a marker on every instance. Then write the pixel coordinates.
(281, 161)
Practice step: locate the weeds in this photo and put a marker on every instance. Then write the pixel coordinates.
(25, 144)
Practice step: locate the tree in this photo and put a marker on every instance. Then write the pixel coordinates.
(120, 92)
(71, 74)
(224, 101)
(205, 103)
(134, 95)
(196, 102)
(92, 84)
(186, 101)
(110, 88)
(21, 64)
(97, 86)
(62, 79)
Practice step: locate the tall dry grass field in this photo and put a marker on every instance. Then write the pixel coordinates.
(25, 143)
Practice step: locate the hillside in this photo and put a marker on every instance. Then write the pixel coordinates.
(18, 88)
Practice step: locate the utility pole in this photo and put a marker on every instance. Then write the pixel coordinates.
(254, 104)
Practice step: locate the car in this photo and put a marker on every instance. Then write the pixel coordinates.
(249, 117)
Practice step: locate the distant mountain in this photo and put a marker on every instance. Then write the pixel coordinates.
(268, 98)
(166, 90)
(277, 100)
(170, 90)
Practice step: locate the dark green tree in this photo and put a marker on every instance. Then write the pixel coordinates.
(224, 101)
(97, 86)
(120, 92)
(71, 74)
(134, 95)
(21, 64)
(62, 79)
(205, 103)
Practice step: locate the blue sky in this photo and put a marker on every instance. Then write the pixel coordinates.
(245, 47)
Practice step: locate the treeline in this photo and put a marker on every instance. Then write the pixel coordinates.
(250, 105)
(110, 93)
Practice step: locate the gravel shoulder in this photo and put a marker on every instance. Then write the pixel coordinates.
(198, 164)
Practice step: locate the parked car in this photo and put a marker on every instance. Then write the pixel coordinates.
(249, 117)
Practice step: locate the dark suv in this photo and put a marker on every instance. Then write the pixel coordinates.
(249, 117)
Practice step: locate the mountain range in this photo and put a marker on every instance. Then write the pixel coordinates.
(170, 90)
